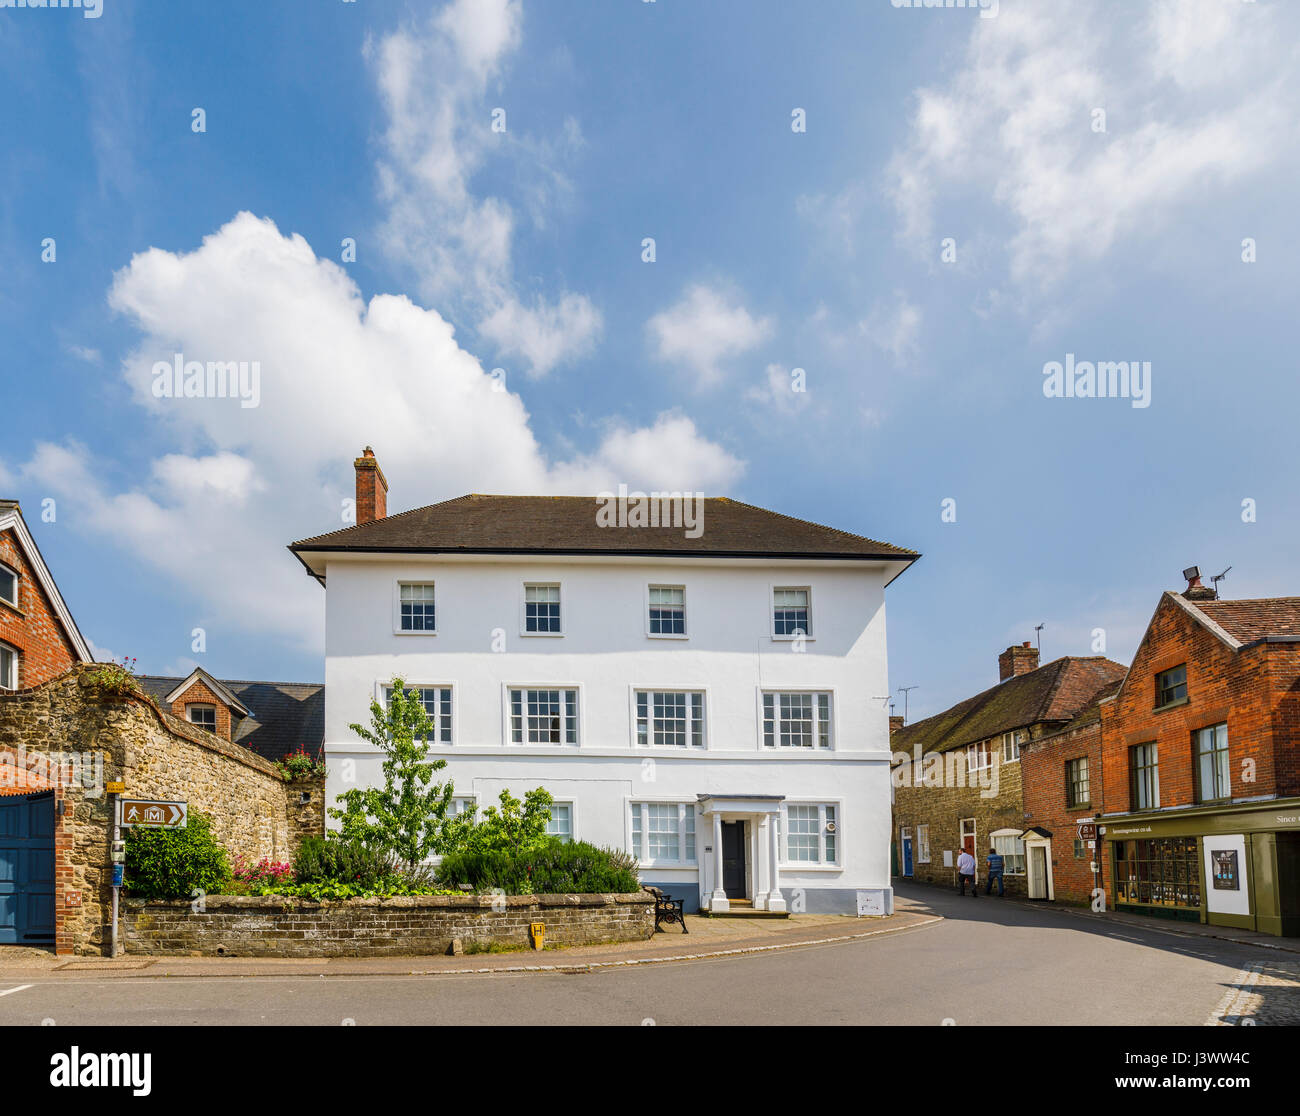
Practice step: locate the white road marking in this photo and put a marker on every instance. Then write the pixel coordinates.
(1236, 997)
(10, 991)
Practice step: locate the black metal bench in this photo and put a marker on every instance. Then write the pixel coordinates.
(667, 909)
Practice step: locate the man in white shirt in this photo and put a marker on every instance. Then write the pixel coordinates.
(966, 871)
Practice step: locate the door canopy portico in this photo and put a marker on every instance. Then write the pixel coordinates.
(762, 812)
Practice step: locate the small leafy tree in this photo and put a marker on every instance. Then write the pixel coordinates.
(408, 815)
(514, 828)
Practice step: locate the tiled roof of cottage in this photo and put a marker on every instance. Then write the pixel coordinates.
(1054, 694)
(568, 525)
(284, 717)
(1251, 620)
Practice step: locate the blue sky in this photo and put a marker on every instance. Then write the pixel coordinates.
(1110, 238)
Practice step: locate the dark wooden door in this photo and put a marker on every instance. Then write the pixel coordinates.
(733, 860)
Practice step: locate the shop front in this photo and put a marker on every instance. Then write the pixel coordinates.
(1235, 865)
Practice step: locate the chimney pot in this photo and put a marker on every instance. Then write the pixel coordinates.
(372, 488)
(1195, 591)
(1017, 660)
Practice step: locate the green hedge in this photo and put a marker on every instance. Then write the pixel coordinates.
(555, 868)
(172, 863)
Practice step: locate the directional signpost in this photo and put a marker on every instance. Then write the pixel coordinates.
(147, 813)
(1088, 831)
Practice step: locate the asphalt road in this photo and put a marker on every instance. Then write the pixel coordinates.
(987, 963)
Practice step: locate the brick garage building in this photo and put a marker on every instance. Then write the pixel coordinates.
(958, 780)
(1061, 779)
(1201, 764)
(38, 637)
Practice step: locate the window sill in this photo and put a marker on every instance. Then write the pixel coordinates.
(791, 639)
(408, 632)
(13, 607)
(541, 635)
(666, 635)
(1172, 705)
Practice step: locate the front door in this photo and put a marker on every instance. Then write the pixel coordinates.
(1037, 872)
(907, 852)
(733, 860)
(27, 868)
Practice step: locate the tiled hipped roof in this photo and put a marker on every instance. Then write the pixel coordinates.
(1053, 693)
(284, 717)
(568, 525)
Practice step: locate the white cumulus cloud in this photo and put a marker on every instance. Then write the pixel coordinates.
(336, 373)
(704, 329)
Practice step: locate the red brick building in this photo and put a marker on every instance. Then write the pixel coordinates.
(39, 639)
(1200, 758)
(1061, 777)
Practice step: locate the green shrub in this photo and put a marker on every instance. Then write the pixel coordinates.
(555, 867)
(172, 863)
(335, 860)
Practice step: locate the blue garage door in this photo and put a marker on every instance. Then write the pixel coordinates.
(27, 868)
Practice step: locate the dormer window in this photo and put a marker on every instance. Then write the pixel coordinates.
(8, 586)
(202, 716)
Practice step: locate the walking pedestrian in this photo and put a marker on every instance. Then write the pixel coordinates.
(966, 871)
(996, 867)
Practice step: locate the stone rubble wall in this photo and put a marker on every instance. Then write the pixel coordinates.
(269, 926)
(254, 812)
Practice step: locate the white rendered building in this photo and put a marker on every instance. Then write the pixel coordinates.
(709, 694)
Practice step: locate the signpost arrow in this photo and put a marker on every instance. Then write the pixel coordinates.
(147, 813)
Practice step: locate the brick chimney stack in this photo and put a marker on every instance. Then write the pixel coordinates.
(895, 723)
(1195, 591)
(372, 488)
(1017, 660)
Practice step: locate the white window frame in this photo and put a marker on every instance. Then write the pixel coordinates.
(1023, 854)
(573, 818)
(507, 713)
(670, 749)
(980, 747)
(685, 809)
(18, 585)
(523, 609)
(821, 863)
(201, 705)
(381, 695)
(397, 607)
(923, 844)
(810, 632)
(461, 802)
(686, 618)
(816, 748)
(10, 683)
(1015, 739)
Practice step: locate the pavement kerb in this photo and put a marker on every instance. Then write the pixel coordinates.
(230, 966)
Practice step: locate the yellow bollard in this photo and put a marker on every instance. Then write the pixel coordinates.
(537, 931)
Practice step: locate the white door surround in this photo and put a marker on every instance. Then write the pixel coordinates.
(762, 856)
(1038, 880)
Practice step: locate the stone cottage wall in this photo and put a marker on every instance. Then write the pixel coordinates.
(103, 738)
(264, 926)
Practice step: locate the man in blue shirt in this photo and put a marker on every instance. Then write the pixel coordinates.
(996, 866)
